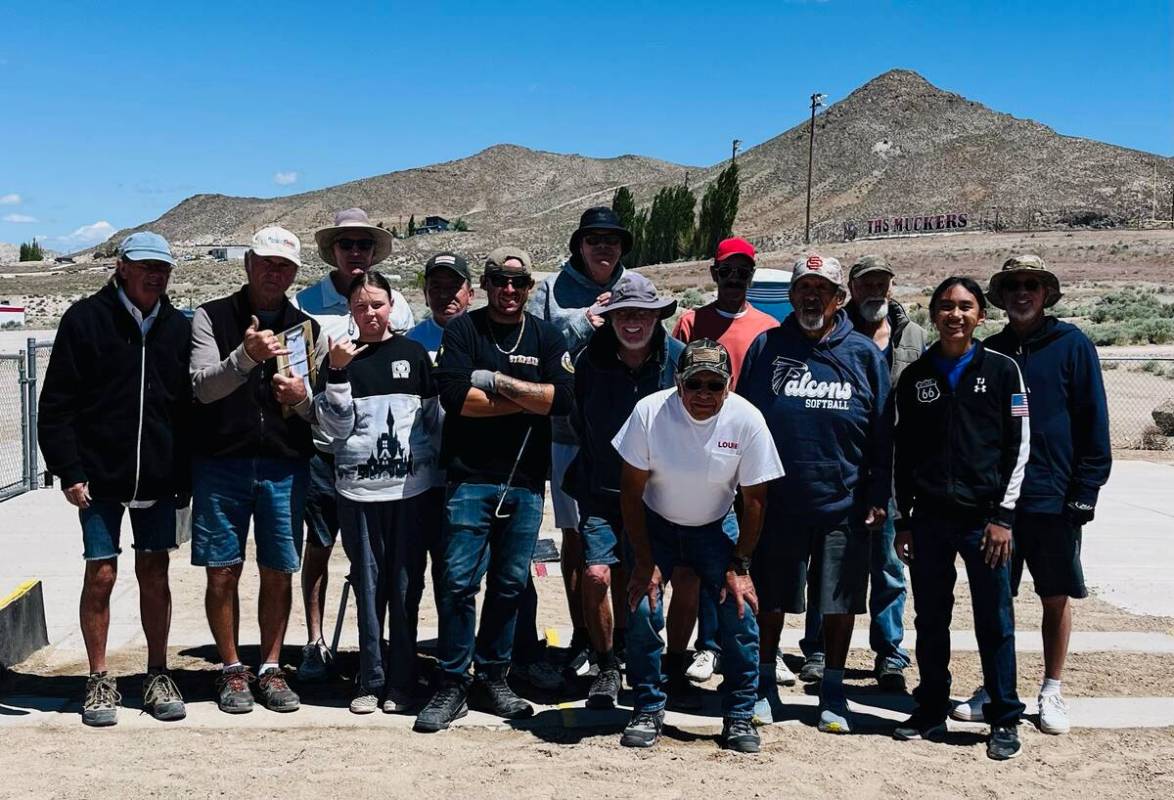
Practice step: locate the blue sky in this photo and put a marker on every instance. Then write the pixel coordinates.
(116, 112)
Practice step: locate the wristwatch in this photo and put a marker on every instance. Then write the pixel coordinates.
(739, 565)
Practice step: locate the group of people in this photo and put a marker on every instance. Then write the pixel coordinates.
(762, 468)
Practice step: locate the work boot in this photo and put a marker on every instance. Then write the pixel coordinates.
(491, 694)
(275, 692)
(446, 706)
(100, 707)
(234, 695)
(161, 697)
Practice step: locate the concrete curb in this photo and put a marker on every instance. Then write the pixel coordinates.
(22, 623)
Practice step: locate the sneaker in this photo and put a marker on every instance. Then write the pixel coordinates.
(834, 715)
(398, 701)
(890, 678)
(783, 674)
(539, 674)
(364, 703)
(812, 669)
(605, 689)
(234, 695)
(740, 736)
(768, 698)
(578, 661)
(493, 695)
(100, 707)
(682, 694)
(314, 662)
(1004, 743)
(643, 729)
(446, 706)
(275, 692)
(703, 666)
(920, 726)
(971, 710)
(1053, 714)
(161, 698)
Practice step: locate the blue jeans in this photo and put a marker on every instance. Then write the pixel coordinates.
(153, 528)
(706, 549)
(937, 541)
(475, 543)
(707, 625)
(886, 604)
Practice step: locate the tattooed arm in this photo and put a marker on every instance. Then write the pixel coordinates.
(535, 398)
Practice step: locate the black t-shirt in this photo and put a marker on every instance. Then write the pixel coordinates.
(483, 449)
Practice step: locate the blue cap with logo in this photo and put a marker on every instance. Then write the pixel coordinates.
(146, 246)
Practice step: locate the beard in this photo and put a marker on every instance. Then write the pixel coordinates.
(810, 320)
(874, 309)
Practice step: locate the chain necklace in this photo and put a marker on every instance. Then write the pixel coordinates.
(500, 349)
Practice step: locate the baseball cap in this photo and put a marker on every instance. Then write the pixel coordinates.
(146, 246)
(495, 261)
(704, 355)
(734, 246)
(276, 242)
(824, 267)
(449, 261)
(867, 264)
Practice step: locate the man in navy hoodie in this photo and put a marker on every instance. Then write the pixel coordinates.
(1069, 463)
(824, 391)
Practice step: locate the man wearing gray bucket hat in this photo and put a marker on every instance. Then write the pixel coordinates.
(1070, 460)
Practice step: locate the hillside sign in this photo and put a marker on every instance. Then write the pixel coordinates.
(925, 223)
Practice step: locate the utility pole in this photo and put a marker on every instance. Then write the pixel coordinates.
(1172, 208)
(734, 152)
(816, 101)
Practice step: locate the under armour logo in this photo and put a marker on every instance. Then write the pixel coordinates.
(980, 385)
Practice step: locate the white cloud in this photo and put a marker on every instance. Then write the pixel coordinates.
(19, 218)
(81, 238)
(12, 199)
(285, 178)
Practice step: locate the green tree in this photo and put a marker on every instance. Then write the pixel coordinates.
(31, 251)
(460, 225)
(669, 232)
(719, 206)
(412, 225)
(625, 206)
(639, 228)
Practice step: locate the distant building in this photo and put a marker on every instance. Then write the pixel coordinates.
(434, 225)
(10, 314)
(64, 260)
(229, 252)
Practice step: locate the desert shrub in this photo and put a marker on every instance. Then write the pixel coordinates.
(691, 298)
(1131, 304)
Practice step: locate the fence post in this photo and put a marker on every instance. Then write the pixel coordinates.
(34, 467)
(26, 476)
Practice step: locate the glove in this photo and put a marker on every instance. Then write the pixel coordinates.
(1078, 514)
(485, 380)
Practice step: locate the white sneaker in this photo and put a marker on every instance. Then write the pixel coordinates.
(783, 675)
(704, 663)
(971, 710)
(1053, 714)
(364, 704)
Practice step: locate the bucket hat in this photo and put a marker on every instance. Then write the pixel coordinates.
(1028, 264)
(635, 291)
(600, 218)
(352, 223)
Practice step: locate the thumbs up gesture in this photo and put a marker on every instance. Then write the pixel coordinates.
(262, 345)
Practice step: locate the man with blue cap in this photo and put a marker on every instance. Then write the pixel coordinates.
(114, 427)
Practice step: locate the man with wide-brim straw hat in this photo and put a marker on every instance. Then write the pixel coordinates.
(352, 245)
(1019, 265)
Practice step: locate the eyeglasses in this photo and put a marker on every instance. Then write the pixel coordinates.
(602, 239)
(726, 271)
(152, 267)
(520, 282)
(355, 244)
(696, 385)
(1030, 284)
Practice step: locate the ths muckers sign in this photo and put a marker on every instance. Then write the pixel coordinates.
(926, 223)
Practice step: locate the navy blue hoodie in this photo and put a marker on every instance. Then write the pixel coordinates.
(828, 408)
(1070, 450)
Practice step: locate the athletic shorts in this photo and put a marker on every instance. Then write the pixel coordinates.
(566, 511)
(1050, 546)
(321, 503)
(834, 558)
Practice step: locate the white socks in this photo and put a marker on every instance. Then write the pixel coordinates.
(268, 665)
(1049, 687)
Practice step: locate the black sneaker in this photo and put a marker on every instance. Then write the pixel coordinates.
(683, 693)
(605, 689)
(275, 692)
(578, 662)
(643, 729)
(233, 693)
(740, 735)
(890, 678)
(812, 670)
(161, 697)
(446, 706)
(921, 726)
(100, 707)
(491, 694)
(1004, 743)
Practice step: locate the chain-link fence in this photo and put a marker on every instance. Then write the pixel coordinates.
(21, 376)
(1135, 386)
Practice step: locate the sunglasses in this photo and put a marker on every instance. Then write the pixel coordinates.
(696, 385)
(152, 267)
(740, 272)
(355, 244)
(1030, 284)
(519, 282)
(605, 239)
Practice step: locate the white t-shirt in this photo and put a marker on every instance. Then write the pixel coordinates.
(697, 466)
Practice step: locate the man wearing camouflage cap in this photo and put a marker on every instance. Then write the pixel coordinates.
(824, 391)
(1069, 463)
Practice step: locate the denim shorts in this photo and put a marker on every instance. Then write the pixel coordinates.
(601, 538)
(153, 528)
(322, 502)
(228, 493)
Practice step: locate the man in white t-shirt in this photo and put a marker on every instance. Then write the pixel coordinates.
(686, 451)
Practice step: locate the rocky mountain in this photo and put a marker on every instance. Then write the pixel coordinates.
(896, 146)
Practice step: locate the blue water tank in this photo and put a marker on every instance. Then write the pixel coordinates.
(769, 292)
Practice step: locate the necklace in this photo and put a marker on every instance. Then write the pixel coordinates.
(500, 349)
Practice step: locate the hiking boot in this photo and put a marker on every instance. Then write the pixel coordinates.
(812, 669)
(783, 674)
(1053, 714)
(740, 736)
(398, 701)
(100, 707)
(539, 674)
(921, 726)
(890, 678)
(971, 710)
(364, 702)
(834, 716)
(314, 666)
(605, 689)
(491, 694)
(275, 692)
(682, 694)
(703, 666)
(161, 697)
(446, 706)
(1004, 743)
(643, 729)
(234, 695)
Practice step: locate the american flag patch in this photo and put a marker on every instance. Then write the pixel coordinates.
(1019, 405)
